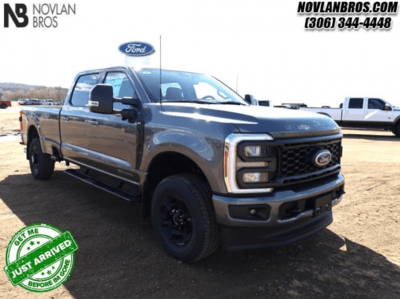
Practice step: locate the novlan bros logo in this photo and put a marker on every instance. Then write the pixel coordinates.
(20, 12)
(43, 15)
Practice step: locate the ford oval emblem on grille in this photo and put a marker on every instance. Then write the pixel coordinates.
(322, 158)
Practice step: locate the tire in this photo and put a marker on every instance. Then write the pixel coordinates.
(396, 131)
(42, 167)
(183, 217)
(3, 106)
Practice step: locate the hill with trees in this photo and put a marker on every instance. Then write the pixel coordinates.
(16, 91)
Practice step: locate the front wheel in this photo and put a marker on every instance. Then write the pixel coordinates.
(183, 217)
(42, 167)
(3, 106)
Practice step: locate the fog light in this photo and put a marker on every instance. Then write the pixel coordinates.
(255, 177)
(252, 151)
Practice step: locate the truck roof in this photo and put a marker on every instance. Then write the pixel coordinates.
(129, 68)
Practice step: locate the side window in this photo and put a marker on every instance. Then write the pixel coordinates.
(122, 88)
(376, 104)
(80, 96)
(356, 103)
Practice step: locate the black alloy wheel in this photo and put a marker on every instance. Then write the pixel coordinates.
(176, 220)
(183, 217)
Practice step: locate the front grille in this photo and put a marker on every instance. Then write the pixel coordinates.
(297, 161)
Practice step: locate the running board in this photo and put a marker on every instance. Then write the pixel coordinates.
(132, 197)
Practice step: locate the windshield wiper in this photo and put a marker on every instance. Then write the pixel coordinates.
(230, 103)
(185, 101)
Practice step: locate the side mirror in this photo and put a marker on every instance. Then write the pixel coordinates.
(135, 102)
(101, 99)
(250, 99)
(388, 108)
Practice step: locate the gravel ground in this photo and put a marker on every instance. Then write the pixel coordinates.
(358, 256)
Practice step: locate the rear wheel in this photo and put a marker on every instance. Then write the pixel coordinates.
(42, 167)
(3, 106)
(396, 131)
(183, 217)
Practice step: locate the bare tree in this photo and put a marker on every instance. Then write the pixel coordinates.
(57, 94)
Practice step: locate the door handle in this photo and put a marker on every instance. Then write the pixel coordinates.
(93, 122)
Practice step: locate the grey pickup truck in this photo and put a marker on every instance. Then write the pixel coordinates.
(206, 166)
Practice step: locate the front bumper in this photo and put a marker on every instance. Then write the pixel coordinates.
(279, 217)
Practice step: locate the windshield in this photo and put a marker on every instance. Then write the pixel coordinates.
(387, 103)
(394, 106)
(186, 87)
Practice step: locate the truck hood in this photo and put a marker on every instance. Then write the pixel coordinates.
(278, 122)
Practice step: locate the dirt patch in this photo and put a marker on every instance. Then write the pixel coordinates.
(9, 122)
(358, 256)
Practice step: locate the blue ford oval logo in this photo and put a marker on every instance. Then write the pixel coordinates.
(322, 158)
(136, 49)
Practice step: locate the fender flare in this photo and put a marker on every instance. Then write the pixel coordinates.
(29, 126)
(396, 121)
(203, 153)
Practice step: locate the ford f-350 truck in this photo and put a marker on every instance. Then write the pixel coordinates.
(205, 165)
(360, 112)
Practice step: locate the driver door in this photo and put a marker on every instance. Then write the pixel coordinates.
(376, 111)
(113, 140)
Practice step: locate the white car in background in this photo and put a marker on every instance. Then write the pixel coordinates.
(47, 102)
(359, 112)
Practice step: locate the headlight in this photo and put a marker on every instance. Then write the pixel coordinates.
(249, 163)
(252, 151)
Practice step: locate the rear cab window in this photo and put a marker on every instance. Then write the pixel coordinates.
(356, 103)
(84, 85)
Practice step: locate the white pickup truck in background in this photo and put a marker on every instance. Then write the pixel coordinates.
(364, 113)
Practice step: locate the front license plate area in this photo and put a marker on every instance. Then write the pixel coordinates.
(322, 204)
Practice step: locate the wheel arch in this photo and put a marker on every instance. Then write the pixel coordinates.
(396, 121)
(166, 164)
(33, 132)
(396, 125)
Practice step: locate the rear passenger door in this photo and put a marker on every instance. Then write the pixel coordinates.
(112, 141)
(355, 111)
(73, 120)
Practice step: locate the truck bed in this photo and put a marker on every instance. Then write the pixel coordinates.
(48, 118)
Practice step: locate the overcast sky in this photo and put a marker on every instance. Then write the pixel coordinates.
(262, 42)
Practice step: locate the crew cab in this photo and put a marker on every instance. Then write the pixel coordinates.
(364, 113)
(206, 166)
(5, 104)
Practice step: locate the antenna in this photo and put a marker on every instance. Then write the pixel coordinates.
(237, 82)
(160, 75)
